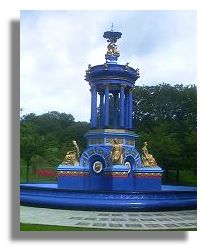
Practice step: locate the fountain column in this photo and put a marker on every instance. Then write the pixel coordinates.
(130, 109)
(126, 110)
(122, 107)
(115, 110)
(101, 108)
(93, 107)
(106, 107)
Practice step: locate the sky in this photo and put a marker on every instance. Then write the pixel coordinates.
(57, 46)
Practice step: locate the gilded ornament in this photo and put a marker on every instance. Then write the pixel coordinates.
(71, 158)
(147, 159)
(117, 152)
(112, 49)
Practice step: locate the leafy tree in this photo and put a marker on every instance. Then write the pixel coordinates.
(30, 145)
(49, 135)
(166, 117)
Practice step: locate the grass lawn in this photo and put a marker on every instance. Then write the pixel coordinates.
(34, 178)
(39, 227)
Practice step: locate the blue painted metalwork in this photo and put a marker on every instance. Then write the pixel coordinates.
(130, 110)
(126, 111)
(93, 107)
(106, 107)
(115, 110)
(122, 107)
(50, 196)
(101, 109)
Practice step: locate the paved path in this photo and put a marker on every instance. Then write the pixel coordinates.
(113, 220)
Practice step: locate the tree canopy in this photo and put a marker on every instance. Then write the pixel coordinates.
(166, 117)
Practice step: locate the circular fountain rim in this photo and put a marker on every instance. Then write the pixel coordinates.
(49, 196)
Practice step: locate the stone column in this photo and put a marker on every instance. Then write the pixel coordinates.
(93, 107)
(130, 109)
(106, 107)
(122, 107)
(101, 108)
(115, 110)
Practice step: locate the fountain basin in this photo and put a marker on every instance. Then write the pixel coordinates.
(50, 196)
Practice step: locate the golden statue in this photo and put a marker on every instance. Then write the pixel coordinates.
(71, 158)
(147, 159)
(112, 49)
(117, 152)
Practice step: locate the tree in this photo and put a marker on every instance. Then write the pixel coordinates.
(30, 145)
(166, 117)
(49, 135)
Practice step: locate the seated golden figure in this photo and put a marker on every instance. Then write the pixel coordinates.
(117, 152)
(112, 49)
(147, 159)
(71, 158)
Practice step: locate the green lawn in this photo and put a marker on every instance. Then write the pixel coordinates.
(186, 178)
(32, 177)
(39, 227)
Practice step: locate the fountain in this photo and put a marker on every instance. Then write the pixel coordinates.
(111, 174)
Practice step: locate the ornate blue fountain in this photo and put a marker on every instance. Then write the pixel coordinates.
(111, 161)
(111, 174)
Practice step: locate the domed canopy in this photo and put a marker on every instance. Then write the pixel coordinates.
(113, 74)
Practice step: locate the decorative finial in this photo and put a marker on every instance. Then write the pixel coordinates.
(112, 51)
(105, 65)
(126, 66)
(137, 70)
(112, 27)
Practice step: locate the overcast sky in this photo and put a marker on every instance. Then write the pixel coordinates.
(57, 46)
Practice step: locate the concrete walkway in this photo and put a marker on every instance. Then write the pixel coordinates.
(113, 220)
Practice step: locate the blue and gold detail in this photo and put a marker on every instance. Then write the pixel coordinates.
(111, 162)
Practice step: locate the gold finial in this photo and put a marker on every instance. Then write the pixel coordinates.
(147, 159)
(112, 49)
